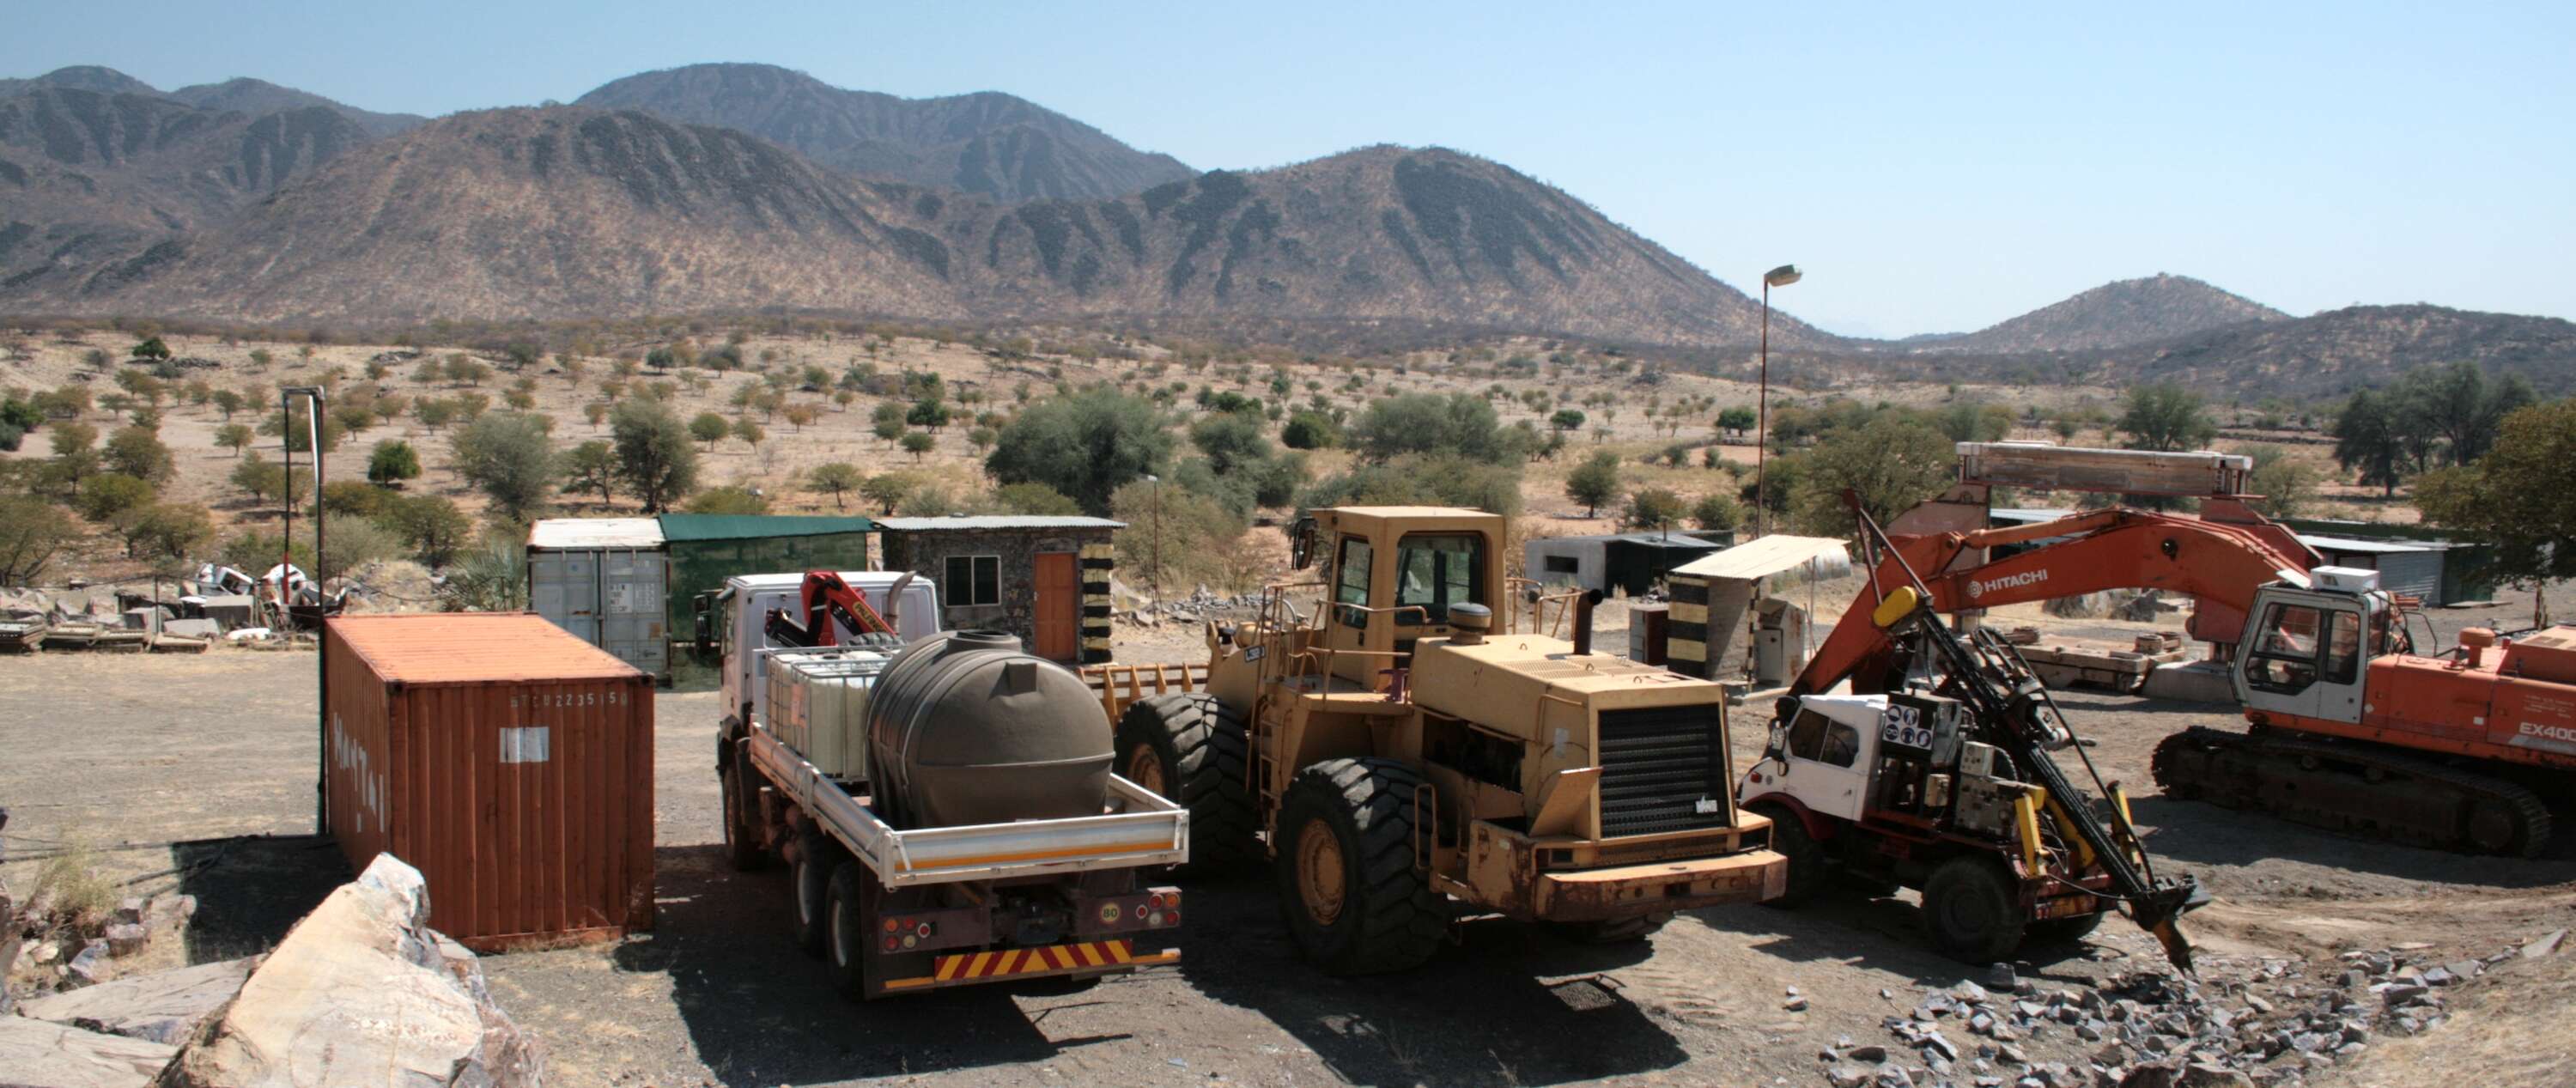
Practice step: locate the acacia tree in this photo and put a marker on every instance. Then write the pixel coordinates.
(2520, 497)
(1594, 482)
(510, 457)
(654, 457)
(2165, 417)
(2368, 444)
(591, 466)
(835, 478)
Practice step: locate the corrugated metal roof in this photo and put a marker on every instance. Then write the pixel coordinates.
(469, 647)
(680, 527)
(565, 534)
(995, 521)
(1767, 556)
(2358, 546)
(1677, 538)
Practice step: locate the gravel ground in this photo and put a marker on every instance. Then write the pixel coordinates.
(172, 766)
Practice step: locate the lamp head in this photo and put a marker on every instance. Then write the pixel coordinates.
(1782, 276)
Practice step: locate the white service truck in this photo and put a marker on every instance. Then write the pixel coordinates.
(945, 805)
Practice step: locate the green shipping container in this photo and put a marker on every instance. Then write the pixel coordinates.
(706, 549)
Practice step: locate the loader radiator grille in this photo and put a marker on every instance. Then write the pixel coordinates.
(1659, 768)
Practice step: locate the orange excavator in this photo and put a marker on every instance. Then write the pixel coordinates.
(2353, 726)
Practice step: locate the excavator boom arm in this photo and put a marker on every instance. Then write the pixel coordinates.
(2220, 564)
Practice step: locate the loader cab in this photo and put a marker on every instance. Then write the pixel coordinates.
(2307, 649)
(1390, 575)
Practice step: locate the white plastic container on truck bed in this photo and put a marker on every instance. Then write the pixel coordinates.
(818, 703)
(739, 612)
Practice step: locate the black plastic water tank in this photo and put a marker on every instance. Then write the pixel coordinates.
(964, 728)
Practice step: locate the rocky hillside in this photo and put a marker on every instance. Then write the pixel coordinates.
(2339, 351)
(254, 96)
(568, 212)
(251, 96)
(988, 144)
(2120, 314)
(87, 177)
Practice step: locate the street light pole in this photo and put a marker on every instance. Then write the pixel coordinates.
(1782, 276)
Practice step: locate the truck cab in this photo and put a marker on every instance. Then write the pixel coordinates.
(733, 623)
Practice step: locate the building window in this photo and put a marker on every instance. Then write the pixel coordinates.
(973, 580)
(1560, 564)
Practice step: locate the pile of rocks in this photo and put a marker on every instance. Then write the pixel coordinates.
(2264, 1023)
(61, 953)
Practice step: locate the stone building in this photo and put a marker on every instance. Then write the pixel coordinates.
(1045, 579)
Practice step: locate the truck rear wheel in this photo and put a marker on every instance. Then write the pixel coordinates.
(845, 928)
(1973, 910)
(1348, 888)
(810, 886)
(1806, 856)
(1191, 749)
(741, 811)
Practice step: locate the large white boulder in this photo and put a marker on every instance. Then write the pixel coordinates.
(360, 994)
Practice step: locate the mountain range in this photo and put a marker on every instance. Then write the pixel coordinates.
(741, 188)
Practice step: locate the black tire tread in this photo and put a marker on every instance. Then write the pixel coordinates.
(736, 808)
(1790, 840)
(1401, 920)
(2528, 807)
(1964, 874)
(1206, 750)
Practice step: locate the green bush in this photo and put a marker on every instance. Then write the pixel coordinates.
(727, 500)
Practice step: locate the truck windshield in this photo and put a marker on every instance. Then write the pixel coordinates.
(1436, 570)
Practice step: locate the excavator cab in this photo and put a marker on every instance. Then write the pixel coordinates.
(2306, 650)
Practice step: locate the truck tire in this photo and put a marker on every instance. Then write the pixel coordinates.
(810, 889)
(1615, 931)
(845, 930)
(1192, 749)
(1348, 888)
(1973, 910)
(741, 816)
(1806, 856)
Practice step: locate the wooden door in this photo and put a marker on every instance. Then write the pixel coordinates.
(1059, 607)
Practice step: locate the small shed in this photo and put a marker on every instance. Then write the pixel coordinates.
(1045, 579)
(605, 580)
(1616, 561)
(2408, 567)
(706, 549)
(1712, 596)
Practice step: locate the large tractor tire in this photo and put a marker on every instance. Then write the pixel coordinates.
(741, 814)
(1348, 888)
(1974, 910)
(1806, 856)
(1192, 749)
(810, 890)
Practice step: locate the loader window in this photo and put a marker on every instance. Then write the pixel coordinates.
(1351, 581)
(2284, 659)
(1436, 571)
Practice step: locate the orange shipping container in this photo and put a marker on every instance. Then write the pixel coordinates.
(509, 761)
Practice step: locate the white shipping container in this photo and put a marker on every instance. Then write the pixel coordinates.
(818, 700)
(604, 580)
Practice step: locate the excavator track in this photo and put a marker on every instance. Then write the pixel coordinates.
(2355, 788)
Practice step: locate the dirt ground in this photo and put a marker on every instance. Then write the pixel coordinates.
(196, 773)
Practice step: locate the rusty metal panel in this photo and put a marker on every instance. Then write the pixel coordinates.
(524, 798)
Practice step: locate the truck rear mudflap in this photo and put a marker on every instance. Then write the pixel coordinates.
(1077, 958)
(1592, 895)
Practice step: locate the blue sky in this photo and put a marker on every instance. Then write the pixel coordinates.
(1931, 169)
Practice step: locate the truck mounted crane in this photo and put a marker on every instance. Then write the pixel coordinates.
(2352, 725)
